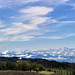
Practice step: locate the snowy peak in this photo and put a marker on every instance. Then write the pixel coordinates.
(64, 54)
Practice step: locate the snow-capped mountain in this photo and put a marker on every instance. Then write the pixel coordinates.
(64, 54)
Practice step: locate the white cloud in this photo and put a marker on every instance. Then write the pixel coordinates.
(22, 38)
(3, 38)
(35, 14)
(34, 18)
(52, 37)
(58, 37)
(18, 28)
(54, 2)
(16, 38)
(31, 18)
(62, 23)
(37, 10)
(72, 4)
(68, 22)
(39, 20)
(32, 15)
(9, 3)
(12, 3)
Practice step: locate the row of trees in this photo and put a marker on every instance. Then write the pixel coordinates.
(29, 66)
(21, 65)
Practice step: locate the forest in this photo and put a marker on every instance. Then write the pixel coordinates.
(36, 65)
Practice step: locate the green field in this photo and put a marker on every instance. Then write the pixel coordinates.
(18, 73)
(46, 72)
(61, 71)
(9, 72)
(55, 71)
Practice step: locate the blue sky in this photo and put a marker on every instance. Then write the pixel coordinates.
(37, 24)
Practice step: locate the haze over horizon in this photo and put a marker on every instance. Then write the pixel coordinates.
(37, 24)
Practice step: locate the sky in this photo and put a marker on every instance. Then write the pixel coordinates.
(37, 24)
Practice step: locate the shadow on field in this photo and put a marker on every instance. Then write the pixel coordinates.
(18, 73)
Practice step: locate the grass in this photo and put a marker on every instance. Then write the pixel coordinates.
(18, 73)
(46, 72)
(9, 72)
(65, 72)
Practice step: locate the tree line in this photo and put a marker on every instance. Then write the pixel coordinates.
(21, 65)
(24, 64)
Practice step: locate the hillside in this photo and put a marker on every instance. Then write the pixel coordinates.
(42, 66)
(44, 62)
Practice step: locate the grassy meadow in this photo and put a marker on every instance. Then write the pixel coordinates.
(46, 72)
(61, 71)
(18, 73)
(9, 72)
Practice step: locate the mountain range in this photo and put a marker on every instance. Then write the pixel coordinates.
(62, 54)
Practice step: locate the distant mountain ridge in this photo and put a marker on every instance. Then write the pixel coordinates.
(44, 62)
(62, 54)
